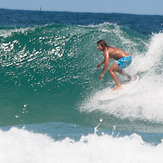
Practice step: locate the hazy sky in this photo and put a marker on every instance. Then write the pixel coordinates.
(107, 6)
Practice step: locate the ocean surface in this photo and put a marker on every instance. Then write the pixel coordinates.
(49, 88)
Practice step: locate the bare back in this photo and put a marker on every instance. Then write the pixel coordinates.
(116, 53)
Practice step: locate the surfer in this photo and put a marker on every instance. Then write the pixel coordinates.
(123, 61)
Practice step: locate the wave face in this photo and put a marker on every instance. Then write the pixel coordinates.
(48, 74)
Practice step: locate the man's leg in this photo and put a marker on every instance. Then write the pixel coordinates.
(112, 70)
(122, 72)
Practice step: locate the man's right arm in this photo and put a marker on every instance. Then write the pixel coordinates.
(100, 64)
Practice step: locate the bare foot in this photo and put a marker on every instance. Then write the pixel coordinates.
(133, 78)
(117, 88)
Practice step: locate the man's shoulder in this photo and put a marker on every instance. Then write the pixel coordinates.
(106, 53)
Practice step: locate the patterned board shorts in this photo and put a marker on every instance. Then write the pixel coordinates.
(124, 62)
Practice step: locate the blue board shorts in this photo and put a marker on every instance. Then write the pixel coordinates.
(124, 62)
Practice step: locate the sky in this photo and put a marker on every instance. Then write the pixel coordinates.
(145, 7)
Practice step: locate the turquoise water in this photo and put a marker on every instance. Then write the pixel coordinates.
(50, 88)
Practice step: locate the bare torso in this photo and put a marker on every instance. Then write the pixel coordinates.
(115, 53)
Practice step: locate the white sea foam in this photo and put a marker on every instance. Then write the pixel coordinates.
(144, 101)
(7, 33)
(152, 57)
(22, 146)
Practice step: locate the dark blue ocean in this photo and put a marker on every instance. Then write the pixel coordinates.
(50, 88)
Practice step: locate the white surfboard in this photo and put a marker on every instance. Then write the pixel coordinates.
(108, 94)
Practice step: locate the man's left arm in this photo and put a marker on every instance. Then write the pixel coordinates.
(106, 63)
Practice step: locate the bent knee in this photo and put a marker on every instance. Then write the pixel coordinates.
(110, 70)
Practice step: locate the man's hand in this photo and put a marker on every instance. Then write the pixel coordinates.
(101, 76)
(98, 65)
